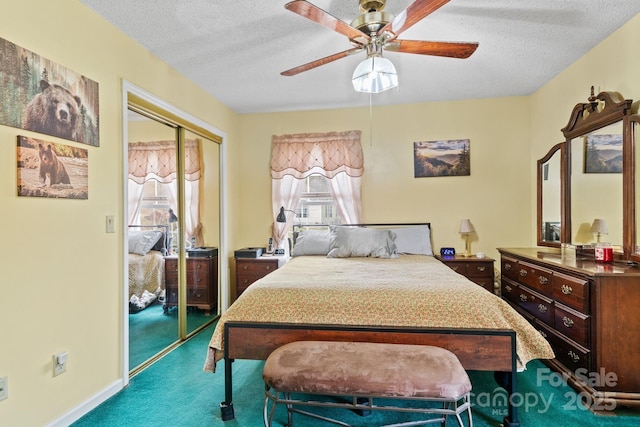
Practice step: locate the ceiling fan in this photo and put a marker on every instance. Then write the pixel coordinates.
(375, 30)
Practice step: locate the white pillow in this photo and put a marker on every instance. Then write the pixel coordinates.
(141, 242)
(414, 240)
(312, 242)
(361, 242)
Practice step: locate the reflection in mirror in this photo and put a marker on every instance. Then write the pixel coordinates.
(635, 128)
(550, 197)
(597, 185)
(202, 229)
(150, 329)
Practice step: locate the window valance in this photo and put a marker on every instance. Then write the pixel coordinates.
(301, 155)
(157, 160)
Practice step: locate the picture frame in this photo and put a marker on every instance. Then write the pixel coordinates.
(40, 95)
(49, 169)
(442, 158)
(603, 153)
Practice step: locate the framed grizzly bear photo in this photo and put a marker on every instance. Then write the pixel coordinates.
(47, 169)
(40, 95)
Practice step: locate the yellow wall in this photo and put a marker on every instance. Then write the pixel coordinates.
(61, 285)
(613, 65)
(500, 168)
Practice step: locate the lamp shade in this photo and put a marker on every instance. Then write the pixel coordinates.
(466, 227)
(599, 226)
(281, 216)
(375, 74)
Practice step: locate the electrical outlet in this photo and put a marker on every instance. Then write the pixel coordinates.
(60, 363)
(4, 388)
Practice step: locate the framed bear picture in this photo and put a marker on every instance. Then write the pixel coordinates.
(40, 95)
(47, 169)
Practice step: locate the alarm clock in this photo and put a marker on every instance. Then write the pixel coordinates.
(447, 252)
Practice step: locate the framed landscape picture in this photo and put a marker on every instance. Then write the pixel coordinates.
(442, 158)
(40, 95)
(47, 169)
(603, 154)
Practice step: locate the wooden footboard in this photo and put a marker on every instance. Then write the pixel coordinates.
(477, 349)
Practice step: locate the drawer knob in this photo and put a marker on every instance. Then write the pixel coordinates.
(507, 288)
(523, 272)
(481, 268)
(198, 295)
(542, 308)
(455, 267)
(566, 289)
(244, 267)
(523, 297)
(567, 322)
(574, 357)
(507, 266)
(543, 333)
(268, 267)
(543, 280)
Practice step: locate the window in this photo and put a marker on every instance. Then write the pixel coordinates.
(154, 209)
(316, 205)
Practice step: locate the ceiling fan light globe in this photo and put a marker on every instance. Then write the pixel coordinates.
(374, 75)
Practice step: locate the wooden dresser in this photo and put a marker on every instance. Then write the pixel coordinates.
(248, 270)
(478, 270)
(202, 283)
(590, 314)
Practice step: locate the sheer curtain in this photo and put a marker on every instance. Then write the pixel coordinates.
(336, 155)
(157, 160)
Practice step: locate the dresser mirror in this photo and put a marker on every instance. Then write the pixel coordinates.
(550, 192)
(634, 128)
(597, 177)
(596, 186)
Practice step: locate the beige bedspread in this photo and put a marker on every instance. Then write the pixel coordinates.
(411, 290)
(146, 273)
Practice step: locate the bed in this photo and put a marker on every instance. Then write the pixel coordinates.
(147, 249)
(379, 284)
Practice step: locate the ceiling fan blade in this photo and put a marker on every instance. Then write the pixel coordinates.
(412, 14)
(449, 49)
(318, 62)
(315, 14)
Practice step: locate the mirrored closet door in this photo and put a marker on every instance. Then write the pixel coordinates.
(173, 234)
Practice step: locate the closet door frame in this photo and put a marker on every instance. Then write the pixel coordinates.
(132, 94)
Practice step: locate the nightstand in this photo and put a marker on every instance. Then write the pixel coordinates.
(202, 283)
(248, 270)
(478, 270)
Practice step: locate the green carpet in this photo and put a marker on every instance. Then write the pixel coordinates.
(176, 392)
(150, 330)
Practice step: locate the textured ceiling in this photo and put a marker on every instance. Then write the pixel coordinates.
(235, 50)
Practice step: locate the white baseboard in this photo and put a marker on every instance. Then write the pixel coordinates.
(79, 411)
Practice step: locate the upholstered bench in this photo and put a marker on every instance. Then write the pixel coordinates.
(363, 371)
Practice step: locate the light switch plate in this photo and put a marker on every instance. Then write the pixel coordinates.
(4, 388)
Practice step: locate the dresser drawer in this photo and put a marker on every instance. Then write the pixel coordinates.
(572, 355)
(472, 269)
(509, 267)
(194, 295)
(256, 268)
(509, 291)
(571, 291)
(573, 324)
(538, 305)
(198, 295)
(536, 277)
(193, 265)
